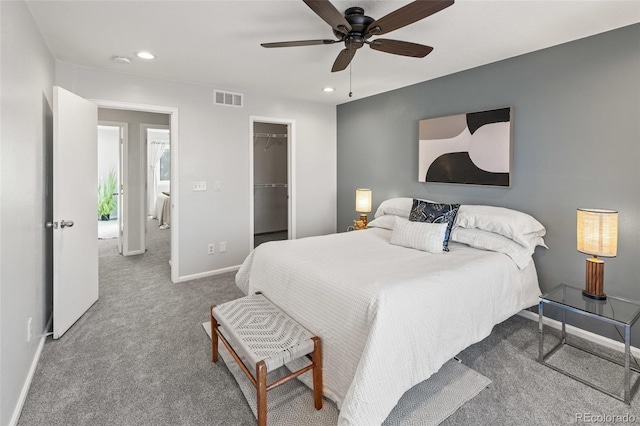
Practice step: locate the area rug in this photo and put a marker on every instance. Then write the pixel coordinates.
(427, 403)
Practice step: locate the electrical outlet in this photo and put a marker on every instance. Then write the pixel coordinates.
(223, 246)
(211, 248)
(200, 186)
(29, 329)
(217, 185)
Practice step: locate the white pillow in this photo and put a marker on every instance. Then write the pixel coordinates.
(386, 221)
(400, 206)
(486, 240)
(518, 226)
(419, 235)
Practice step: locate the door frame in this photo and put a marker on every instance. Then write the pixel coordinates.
(291, 174)
(144, 128)
(174, 137)
(123, 162)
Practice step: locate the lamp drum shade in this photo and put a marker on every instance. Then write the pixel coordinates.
(363, 200)
(597, 232)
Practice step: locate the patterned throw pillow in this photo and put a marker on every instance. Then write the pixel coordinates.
(424, 211)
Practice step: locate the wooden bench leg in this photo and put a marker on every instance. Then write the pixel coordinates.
(261, 375)
(214, 336)
(317, 372)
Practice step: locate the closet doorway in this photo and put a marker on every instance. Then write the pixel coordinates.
(271, 180)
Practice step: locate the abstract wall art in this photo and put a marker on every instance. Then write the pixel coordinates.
(473, 148)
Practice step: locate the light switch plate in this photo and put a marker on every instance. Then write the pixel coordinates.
(200, 186)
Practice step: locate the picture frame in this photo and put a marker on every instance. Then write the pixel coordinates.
(472, 149)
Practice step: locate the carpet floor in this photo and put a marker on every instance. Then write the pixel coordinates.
(139, 357)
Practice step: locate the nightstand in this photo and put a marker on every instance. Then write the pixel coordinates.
(614, 310)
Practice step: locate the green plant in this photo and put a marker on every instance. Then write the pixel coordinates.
(107, 187)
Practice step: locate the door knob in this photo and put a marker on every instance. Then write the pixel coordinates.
(64, 223)
(51, 225)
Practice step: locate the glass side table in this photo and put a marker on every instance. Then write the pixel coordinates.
(614, 310)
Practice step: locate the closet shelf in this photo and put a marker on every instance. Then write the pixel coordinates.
(269, 185)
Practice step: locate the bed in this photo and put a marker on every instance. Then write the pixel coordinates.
(163, 209)
(388, 316)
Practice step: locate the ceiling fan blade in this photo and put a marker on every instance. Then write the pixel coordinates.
(298, 43)
(343, 60)
(403, 48)
(406, 15)
(325, 10)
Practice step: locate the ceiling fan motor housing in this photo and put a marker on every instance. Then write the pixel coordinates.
(359, 22)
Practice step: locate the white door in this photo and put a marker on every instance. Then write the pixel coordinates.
(75, 203)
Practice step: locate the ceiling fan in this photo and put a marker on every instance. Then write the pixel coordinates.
(355, 29)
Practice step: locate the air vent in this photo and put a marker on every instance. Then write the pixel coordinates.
(227, 98)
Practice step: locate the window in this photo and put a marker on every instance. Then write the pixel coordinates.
(165, 165)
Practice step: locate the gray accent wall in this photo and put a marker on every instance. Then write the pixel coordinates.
(576, 144)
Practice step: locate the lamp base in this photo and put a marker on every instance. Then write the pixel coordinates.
(594, 296)
(361, 223)
(594, 283)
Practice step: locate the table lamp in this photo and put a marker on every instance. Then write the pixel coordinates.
(597, 236)
(363, 203)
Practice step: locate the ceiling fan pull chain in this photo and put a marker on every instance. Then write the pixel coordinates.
(350, 92)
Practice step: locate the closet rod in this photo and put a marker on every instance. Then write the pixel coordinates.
(270, 135)
(269, 185)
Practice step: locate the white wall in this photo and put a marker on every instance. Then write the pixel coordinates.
(214, 145)
(108, 149)
(26, 82)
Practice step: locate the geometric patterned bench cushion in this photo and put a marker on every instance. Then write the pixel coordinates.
(259, 330)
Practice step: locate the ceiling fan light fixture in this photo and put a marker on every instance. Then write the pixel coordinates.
(145, 55)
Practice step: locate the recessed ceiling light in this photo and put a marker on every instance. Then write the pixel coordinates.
(328, 89)
(121, 59)
(145, 55)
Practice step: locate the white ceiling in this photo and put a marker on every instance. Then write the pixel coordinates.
(217, 43)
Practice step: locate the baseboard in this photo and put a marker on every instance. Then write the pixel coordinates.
(27, 383)
(208, 273)
(133, 253)
(578, 332)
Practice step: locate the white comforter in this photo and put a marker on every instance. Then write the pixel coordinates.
(388, 316)
(163, 210)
